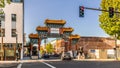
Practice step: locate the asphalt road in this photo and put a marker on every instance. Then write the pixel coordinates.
(73, 64)
(86, 64)
(69, 64)
(34, 65)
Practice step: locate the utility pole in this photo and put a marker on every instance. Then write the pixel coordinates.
(116, 35)
(17, 53)
(1, 40)
(116, 47)
(1, 14)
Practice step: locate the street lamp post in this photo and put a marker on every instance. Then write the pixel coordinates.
(116, 47)
(16, 47)
(116, 35)
(39, 42)
(1, 14)
(1, 42)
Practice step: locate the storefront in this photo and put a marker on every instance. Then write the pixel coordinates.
(98, 47)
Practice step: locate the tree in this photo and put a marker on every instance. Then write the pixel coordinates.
(2, 4)
(110, 25)
(49, 48)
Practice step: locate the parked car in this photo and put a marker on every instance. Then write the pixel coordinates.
(66, 56)
(56, 55)
(45, 56)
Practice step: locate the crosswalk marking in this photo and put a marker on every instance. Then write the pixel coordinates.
(20, 65)
(48, 65)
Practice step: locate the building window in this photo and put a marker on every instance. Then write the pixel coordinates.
(13, 31)
(2, 21)
(2, 25)
(17, 1)
(3, 33)
(14, 17)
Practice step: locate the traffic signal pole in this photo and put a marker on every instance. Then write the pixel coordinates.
(98, 9)
(111, 11)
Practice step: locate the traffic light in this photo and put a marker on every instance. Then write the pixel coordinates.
(111, 12)
(81, 11)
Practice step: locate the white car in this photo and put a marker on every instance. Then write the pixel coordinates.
(66, 56)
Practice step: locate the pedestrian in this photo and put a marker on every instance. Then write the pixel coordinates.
(80, 53)
(17, 54)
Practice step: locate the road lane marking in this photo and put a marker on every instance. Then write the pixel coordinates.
(48, 65)
(20, 65)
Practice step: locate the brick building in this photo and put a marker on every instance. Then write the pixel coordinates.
(100, 47)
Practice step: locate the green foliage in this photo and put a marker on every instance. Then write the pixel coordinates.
(2, 3)
(8, 1)
(110, 25)
(49, 48)
(1, 12)
(42, 51)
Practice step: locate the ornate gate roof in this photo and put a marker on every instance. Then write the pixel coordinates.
(47, 21)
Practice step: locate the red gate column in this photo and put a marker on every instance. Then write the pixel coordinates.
(39, 42)
(49, 31)
(70, 44)
(66, 46)
(31, 49)
(63, 45)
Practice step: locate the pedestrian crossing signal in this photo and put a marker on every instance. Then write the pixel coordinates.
(81, 11)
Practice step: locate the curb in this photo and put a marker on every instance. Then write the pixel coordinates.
(42, 60)
(95, 60)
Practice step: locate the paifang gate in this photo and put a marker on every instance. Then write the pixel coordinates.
(53, 29)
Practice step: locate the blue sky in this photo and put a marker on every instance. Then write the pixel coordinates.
(36, 11)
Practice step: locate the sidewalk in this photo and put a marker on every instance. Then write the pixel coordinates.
(8, 65)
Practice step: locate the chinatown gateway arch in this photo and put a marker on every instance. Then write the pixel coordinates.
(53, 29)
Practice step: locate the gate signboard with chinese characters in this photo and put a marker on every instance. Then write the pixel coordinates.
(54, 30)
